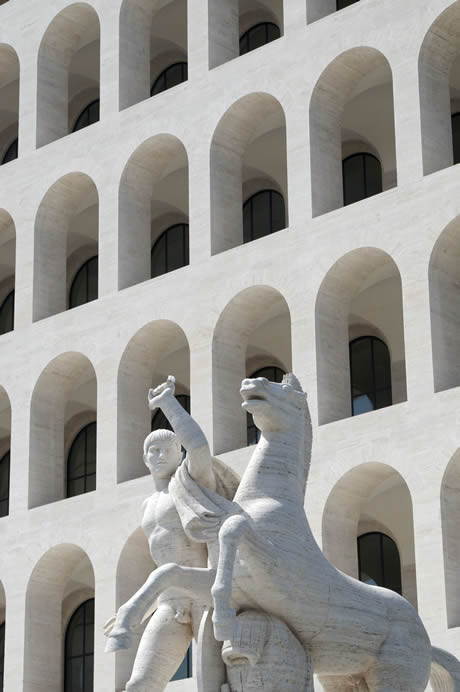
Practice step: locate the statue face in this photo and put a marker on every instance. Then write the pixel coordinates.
(163, 459)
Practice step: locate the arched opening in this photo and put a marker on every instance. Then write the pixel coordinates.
(84, 286)
(61, 582)
(264, 213)
(9, 103)
(370, 375)
(64, 401)
(272, 373)
(253, 332)
(5, 457)
(79, 649)
(68, 71)
(66, 237)
(170, 250)
(7, 272)
(362, 177)
(361, 296)
(153, 197)
(248, 156)
(81, 462)
(372, 499)
(444, 278)
(439, 84)
(378, 561)
(237, 27)
(153, 43)
(157, 350)
(450, 514)
(351, 112)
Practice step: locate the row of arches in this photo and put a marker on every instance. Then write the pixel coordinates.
(367, 530)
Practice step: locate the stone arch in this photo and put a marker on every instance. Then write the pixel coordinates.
(154, 194)
(352, 102)
(68, 70)
(360, 295)
(254, 329)
(370, 497)
(153, 35)
(444, 278)
(450, 513)
(248, 153)
(66, 390)
(9, 97)
(439, 85)
(66, 235)
(157, 350)
(134, 566)
(8, 253)
(61, 580)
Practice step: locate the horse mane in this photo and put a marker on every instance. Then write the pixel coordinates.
(293, 381)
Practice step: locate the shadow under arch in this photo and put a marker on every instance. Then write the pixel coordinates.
(254, 325)
(450, 515)
(157, 350)
(62, 579)
(9, 98)
(248, 153)
(372, 496)
(154, 186)
(360, 295)
(66, 388)
(68, 216)
(357, 84)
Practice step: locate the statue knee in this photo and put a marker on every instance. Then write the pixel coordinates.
(233, 527)
(138, 686)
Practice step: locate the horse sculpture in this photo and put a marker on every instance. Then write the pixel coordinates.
(264, 558)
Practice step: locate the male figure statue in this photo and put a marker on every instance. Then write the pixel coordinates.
(177, 618)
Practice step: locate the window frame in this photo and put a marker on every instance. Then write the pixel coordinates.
(85, 475)
(249, 237)
(2, 654)
(11, 295)
(382, 536)
(14, 143)
(85, 110)
(85, 654)
(185, 248)
(77, 274)
(163, 74)
(246, 35)
(6, 499)
(375, 390)
(364, 155)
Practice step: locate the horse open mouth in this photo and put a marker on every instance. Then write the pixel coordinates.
(249, 397)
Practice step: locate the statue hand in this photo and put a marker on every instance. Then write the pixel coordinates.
(158, 395)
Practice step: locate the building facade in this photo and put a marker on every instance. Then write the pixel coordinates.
(212, 191)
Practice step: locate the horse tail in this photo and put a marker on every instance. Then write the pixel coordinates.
(445, 671)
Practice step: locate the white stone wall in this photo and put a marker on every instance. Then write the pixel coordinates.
(386, 264)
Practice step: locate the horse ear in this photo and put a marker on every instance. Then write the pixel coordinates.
(292, 380)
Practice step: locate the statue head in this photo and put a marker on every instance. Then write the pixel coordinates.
(274, 406)
(162, 453)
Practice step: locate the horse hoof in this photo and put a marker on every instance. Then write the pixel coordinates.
(118, 642)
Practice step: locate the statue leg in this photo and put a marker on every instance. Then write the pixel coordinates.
(161, 651)
(194, 581)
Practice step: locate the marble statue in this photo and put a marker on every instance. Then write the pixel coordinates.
(266, 579)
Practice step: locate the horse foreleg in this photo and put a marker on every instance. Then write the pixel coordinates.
(194, 581)
(224, 616)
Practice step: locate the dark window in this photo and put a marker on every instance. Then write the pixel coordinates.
(263, 213)
(273, 374)
(258, 36)
(7, 314)
(12, 152)
(81, 462)
(170, 250)
(5, 484)
(456, 137)
(84, 286)
(341, 4)
(88, 116)
(379, 561)
(170, 77)
(370, 373)
(185, 669)
(159, 420)
(2, 654)
(79, 650)
(362, 177)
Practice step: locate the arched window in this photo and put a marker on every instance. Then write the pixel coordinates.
(456, 137)
(5, 484)
(79, 650)
(7, 314)
(379, 561)
(370, 374)
(84, 286)
(170, 251)
(12, 152)
(185, 669)
(88, 116)
(2, 654)
(341, 4)
(258, 36)
(273, 374)
(170, 77)
(362, 177)
(81, 462)
(263, 213)
(159, 420)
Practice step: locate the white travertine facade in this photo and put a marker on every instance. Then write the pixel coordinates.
(381, 77)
